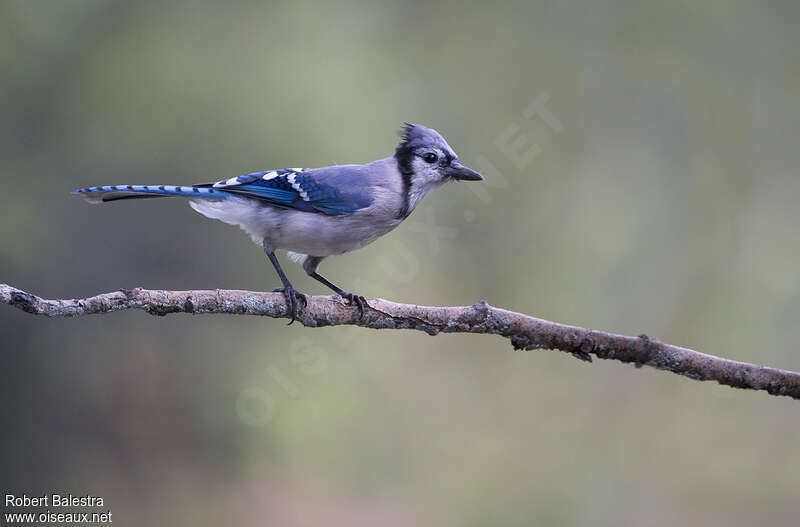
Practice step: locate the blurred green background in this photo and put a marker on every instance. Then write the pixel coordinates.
(657, 193)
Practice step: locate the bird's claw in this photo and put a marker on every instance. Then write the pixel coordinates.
(358, 300)
(293, 298)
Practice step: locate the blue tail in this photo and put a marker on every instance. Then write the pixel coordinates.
(116, 192)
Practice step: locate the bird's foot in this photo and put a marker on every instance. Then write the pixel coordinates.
(357, 300)
(293, 298)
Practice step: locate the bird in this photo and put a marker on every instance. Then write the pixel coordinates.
(313, 213)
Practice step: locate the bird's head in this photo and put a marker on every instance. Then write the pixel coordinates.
(425, 158)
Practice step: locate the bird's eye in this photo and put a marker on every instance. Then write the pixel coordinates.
(430, 157)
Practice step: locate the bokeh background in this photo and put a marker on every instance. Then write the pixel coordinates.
(642, 177)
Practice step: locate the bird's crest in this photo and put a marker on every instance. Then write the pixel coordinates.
(415, 135)
(405, 132)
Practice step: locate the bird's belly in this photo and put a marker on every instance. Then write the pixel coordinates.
(302, 232)
(320, 235)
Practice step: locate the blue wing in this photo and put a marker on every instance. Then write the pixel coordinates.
(325, 191)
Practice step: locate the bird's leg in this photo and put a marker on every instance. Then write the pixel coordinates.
(310, 266)
(292, 296)
(358, 300)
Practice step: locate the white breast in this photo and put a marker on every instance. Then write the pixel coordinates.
(306, 232)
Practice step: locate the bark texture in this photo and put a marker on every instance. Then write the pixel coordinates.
(524, 332)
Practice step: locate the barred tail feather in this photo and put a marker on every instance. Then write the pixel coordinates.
(116, 192)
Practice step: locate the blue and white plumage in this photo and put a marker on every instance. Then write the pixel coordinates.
(318, 212)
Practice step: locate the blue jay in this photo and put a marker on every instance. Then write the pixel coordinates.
(318, 212)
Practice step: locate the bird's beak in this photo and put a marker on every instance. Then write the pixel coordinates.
(462, 173)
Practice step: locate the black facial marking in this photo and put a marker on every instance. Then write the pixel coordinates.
(404, 155)
(405, 173)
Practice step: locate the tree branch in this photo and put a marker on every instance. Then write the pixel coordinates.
(524, 332)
